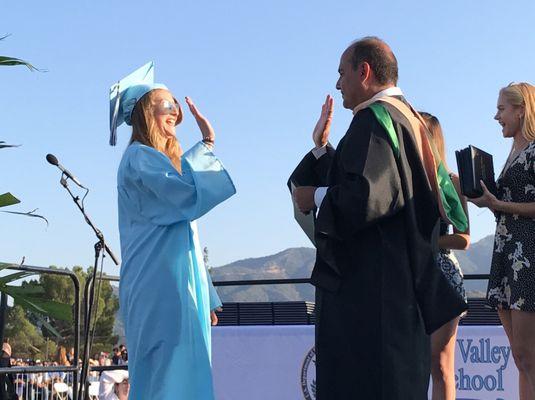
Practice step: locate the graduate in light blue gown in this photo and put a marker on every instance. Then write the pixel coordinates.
(167, 299)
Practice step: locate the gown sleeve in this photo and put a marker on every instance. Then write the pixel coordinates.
(369, 188)
(312, 170)
(169, 197)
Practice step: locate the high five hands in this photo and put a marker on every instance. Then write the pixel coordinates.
(304, 195)
(207, 131)
(320, 134)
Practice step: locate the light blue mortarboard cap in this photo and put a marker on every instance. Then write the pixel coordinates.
(126, 93)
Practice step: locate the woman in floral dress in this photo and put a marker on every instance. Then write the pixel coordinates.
(511, 287)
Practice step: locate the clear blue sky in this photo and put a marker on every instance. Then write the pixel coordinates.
(259, 71)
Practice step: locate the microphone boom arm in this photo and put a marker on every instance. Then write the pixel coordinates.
(97, 231)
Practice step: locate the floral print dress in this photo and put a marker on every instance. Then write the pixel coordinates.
(512, 273)
(449, 265)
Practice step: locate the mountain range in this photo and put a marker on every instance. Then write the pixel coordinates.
(298, 263)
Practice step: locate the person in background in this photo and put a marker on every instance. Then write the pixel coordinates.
(7, 381)
(443, 339)
(42, 382)
(124, 354)
(70, 356)
(114, 385)
(116, 356)
(94, 362)
(61, 357)
(511, 288)
(103, 359)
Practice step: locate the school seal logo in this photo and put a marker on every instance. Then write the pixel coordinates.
(308, 375)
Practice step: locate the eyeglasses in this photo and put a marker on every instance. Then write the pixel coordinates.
(168, 107)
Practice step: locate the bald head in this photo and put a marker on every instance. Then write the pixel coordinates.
(378, 55)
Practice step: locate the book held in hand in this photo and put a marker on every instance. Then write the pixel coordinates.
(474, 165)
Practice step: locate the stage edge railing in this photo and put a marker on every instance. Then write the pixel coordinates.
(253, 282)
(76, 314)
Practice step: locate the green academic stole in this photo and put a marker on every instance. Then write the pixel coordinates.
(449, 201)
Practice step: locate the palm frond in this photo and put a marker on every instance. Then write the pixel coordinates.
(13, 277)
(49, 308)
(29, 290)
(4, 145)
(7, 199)
(27, 214)
(7, 265)
(12, 61)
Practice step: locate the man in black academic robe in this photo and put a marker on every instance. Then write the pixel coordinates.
(379, 292)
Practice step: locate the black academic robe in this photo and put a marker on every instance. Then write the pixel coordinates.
(378, 288)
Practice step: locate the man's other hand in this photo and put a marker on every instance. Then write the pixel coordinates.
(304, 198)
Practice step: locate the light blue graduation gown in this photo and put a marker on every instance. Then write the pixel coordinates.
(165, 292)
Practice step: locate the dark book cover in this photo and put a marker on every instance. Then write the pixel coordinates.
(474, 165)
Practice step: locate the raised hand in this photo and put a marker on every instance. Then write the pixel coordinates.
(207, 131)
(320, 135)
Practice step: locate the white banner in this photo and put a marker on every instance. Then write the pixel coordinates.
(261, 362)
(484, 365)
(278, 362)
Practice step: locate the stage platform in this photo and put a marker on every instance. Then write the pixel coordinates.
(302, 313)
(266, 351)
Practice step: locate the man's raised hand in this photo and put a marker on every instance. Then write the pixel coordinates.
(320, 135)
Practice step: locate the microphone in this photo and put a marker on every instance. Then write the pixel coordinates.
(51, 158)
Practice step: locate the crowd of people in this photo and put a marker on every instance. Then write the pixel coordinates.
(118, 356)
(41, 385)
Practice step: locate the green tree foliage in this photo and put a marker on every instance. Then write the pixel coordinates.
(25, 338)
(108, 305)
(26, 330)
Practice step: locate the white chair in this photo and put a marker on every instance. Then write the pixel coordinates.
(61, 391)
(94, 387)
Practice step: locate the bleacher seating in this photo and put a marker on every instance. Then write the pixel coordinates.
(302, 313)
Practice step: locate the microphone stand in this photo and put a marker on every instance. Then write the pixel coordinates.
(100, 249)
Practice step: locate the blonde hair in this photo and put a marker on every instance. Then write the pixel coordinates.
(62, 356)
(523, 95)
(145, 131)
(433, 125)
